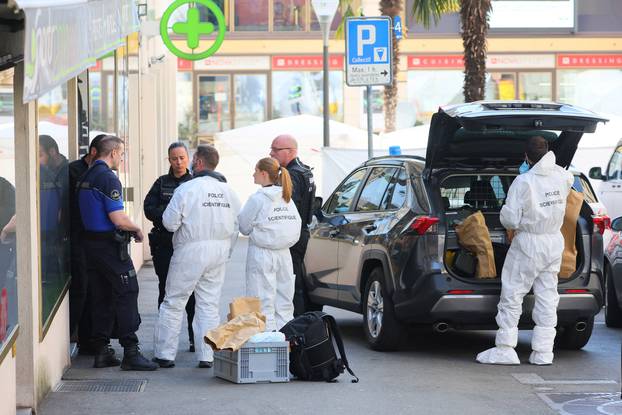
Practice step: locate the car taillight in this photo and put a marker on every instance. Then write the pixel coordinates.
(601, 223)
(424, 223)
(576, 291)
(460, 292)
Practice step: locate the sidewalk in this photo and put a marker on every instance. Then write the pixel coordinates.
(184, 389)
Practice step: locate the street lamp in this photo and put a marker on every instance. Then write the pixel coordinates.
(325, 11)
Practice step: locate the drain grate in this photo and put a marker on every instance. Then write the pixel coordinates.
(101, 385)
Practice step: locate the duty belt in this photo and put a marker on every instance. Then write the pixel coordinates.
(98, 236)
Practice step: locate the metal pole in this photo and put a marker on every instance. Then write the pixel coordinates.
(326, 31)
(370, 127)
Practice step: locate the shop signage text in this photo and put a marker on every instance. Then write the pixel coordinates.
(233, 63)
(589, 61)
(309, 62)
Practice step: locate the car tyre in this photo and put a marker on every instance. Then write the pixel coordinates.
(571, 339)
(613, 312)
(381, 328)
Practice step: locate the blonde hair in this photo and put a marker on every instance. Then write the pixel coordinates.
(278, 175)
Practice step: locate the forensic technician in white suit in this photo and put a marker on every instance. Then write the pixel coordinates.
(203, 216)
(271, 220)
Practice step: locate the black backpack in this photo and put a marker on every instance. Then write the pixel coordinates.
(312, 355)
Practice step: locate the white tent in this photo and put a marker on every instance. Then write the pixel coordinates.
(241, 148)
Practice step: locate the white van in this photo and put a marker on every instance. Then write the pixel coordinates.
(610, 190)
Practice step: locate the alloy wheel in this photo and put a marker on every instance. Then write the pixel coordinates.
(375, 309)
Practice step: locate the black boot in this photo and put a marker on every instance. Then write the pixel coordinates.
(133, 360)
(105, 358)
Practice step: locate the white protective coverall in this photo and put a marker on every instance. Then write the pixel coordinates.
(534, 207)
(273, 226)
(203, 214)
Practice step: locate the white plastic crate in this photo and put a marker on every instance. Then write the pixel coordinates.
(254, 363)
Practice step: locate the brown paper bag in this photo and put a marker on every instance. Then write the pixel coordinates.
(233, 334)
(243, 305)
(569, 230)
(473, 235)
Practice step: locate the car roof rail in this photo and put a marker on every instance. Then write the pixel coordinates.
(400, 157)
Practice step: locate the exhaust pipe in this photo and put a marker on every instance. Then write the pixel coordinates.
(441, 327)
(580, 326)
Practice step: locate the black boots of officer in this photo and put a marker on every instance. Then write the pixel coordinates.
(105, 357)
(134, 360)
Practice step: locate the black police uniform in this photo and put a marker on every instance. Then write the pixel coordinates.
(160, 239)
(112, 278)
(79, 309)
(303, 195)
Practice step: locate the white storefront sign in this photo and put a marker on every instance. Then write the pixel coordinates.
(532, 14)
(524, 61)
(233, 63)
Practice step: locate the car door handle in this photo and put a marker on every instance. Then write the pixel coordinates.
(333, 233)
(370, 228)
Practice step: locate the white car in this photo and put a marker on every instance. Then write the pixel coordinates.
(610, 190)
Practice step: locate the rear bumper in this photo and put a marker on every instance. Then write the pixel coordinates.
(430, 302)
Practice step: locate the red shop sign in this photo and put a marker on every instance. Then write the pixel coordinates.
(97, 67)
(613, 60)
(184, 65)
(316, 62)
(435, 61)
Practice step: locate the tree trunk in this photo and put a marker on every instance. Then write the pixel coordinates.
(474, 17)
(391, 8)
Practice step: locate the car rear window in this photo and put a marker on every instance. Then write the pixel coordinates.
(476, 191)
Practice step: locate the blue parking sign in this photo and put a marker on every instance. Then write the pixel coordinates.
(368, 51)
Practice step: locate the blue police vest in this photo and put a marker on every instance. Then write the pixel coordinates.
(99, 193)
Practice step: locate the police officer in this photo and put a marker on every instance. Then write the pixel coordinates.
(160, 239)
(285, 149)
(112, 276)
(79, 310)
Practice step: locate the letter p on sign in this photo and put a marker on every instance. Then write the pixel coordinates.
(362, 41)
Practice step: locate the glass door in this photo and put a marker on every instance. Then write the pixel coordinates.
(214, 104)
(250, 99)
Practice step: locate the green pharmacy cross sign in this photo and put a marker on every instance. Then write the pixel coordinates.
(192, 29)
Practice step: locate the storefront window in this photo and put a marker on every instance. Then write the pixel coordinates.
(8, 269)
(250, 99)
(53, 197)
(597, 89)
(101, 96)
(214, 99)
(429, 89)
(251, 15)
(535, 86)
(186, 119)
(500, 86)
(295, 93)
(290, 15)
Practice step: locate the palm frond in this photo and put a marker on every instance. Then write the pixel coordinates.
(426, 11)
(345, 6)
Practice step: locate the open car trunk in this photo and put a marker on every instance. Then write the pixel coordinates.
(465, 193)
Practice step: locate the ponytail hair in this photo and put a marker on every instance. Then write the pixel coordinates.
(278, 175)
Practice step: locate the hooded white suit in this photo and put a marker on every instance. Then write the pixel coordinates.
(535, 207)
(203, 214)
(273, 226)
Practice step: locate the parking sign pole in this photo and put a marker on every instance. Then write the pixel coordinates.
(370, 127)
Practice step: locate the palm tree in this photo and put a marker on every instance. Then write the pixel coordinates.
(474, 18)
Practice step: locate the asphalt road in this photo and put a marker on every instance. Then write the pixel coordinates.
(431, 374)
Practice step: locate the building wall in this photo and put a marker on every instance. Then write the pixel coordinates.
(8, 390)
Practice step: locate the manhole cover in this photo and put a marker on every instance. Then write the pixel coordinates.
(101, 385)
(584, 403)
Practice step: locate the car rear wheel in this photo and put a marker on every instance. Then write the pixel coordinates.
(613, 312)
(382, 330)
(575, 336)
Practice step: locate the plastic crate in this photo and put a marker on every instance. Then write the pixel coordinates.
(254, 363)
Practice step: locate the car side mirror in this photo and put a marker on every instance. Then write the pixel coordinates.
(616, 225)
(338, 220)
(596, 173)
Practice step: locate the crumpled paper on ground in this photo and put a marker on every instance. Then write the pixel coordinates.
(473, 235)
(233, 334)
(243, 305)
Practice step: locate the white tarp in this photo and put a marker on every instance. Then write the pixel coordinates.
(63, 38)
(241, 148)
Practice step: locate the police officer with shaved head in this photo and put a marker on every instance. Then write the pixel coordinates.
(107, 231)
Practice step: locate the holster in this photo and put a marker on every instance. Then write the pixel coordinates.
(122, 238)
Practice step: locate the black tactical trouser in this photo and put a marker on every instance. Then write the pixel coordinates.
(301, 299)
(113, 286)
(161, 253)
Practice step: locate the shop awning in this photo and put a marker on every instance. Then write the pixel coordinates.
(64, 37)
